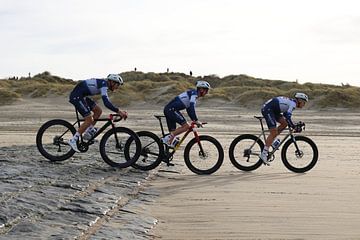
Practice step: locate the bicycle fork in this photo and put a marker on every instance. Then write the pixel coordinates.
(201, 150)
(298, 152)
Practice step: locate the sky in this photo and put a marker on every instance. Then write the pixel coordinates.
(309, 41)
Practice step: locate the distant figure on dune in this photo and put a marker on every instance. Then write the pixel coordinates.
(85, 105)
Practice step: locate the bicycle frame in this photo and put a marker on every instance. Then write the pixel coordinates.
(169, 154)
(109, 121)
(283, 140)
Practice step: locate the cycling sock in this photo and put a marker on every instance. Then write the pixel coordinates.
(266, 148)
(76, 136)
(89, 128)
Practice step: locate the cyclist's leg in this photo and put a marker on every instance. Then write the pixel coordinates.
(81, 106)
(95, 109)
(270, 118)
(88, 120)
(283, 124)
(173, 117)
(97, 112)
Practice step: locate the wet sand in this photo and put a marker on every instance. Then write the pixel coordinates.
(97, 202)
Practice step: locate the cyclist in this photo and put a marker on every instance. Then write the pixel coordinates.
(185, 100)
(85, 105)
(279, 109)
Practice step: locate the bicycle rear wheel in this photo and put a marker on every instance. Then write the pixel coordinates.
(244, 152)
(120, 147)
(52, 138)
(302, 158)
(152, 151)
(205, 156)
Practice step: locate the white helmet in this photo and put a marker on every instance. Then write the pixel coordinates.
(302, 96)
(115, 78)
(203, 84)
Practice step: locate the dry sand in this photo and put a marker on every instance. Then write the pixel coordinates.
(269, 203)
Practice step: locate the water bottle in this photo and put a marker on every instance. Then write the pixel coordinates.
(175, 141)
(276, 143)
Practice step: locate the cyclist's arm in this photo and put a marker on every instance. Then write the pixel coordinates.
(287, 116)
(191, 109)
(107, 101)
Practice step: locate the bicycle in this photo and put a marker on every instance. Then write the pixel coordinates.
(115, 147)
(299, 153)
(203, 154)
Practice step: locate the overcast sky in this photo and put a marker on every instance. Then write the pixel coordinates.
(310, 40)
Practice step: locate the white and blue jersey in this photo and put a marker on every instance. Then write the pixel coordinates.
(94, 86)
(185, 100)
(276, 107)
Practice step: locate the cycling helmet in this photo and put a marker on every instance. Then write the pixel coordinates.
(302, 96)
(115, 78)
(203, 84)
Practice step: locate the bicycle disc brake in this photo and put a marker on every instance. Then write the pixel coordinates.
(299, 154)
(202, 154)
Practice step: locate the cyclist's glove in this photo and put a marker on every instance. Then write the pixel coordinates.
(198, 124)
(298, 127)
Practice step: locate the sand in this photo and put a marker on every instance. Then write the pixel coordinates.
(269, 203)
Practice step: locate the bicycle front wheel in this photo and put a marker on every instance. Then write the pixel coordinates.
(205, 156)
(120, 147)
(52, 140)
(152, 151)
(244, 152)
(300, 155)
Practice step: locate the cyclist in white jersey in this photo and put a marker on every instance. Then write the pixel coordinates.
(85, 105)
(185, 100)
(279, 109)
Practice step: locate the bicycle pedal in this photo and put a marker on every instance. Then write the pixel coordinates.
(168, 163)
(93, 141)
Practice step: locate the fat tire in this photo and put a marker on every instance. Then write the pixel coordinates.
(233, 144)
(129, 161)
(312, 162)
(209, 170)
(40, 134)
(157, 144)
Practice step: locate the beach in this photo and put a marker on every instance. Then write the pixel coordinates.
(84, 198)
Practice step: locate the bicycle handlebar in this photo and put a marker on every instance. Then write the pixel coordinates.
(299, 127)
(193, 124)
(115, 117)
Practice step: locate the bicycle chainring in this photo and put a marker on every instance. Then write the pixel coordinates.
(83, 147)
(271, 157)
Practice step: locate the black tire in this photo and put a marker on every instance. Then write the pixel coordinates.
(208, 164)
(240, 154)
(52, 137)
(152, 151)
(302, 161)
(125, 153)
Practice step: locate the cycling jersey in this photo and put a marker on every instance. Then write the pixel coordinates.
(276, 107)
(90, 87)
(185, 100)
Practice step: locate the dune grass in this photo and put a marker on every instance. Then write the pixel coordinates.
(159, 88)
